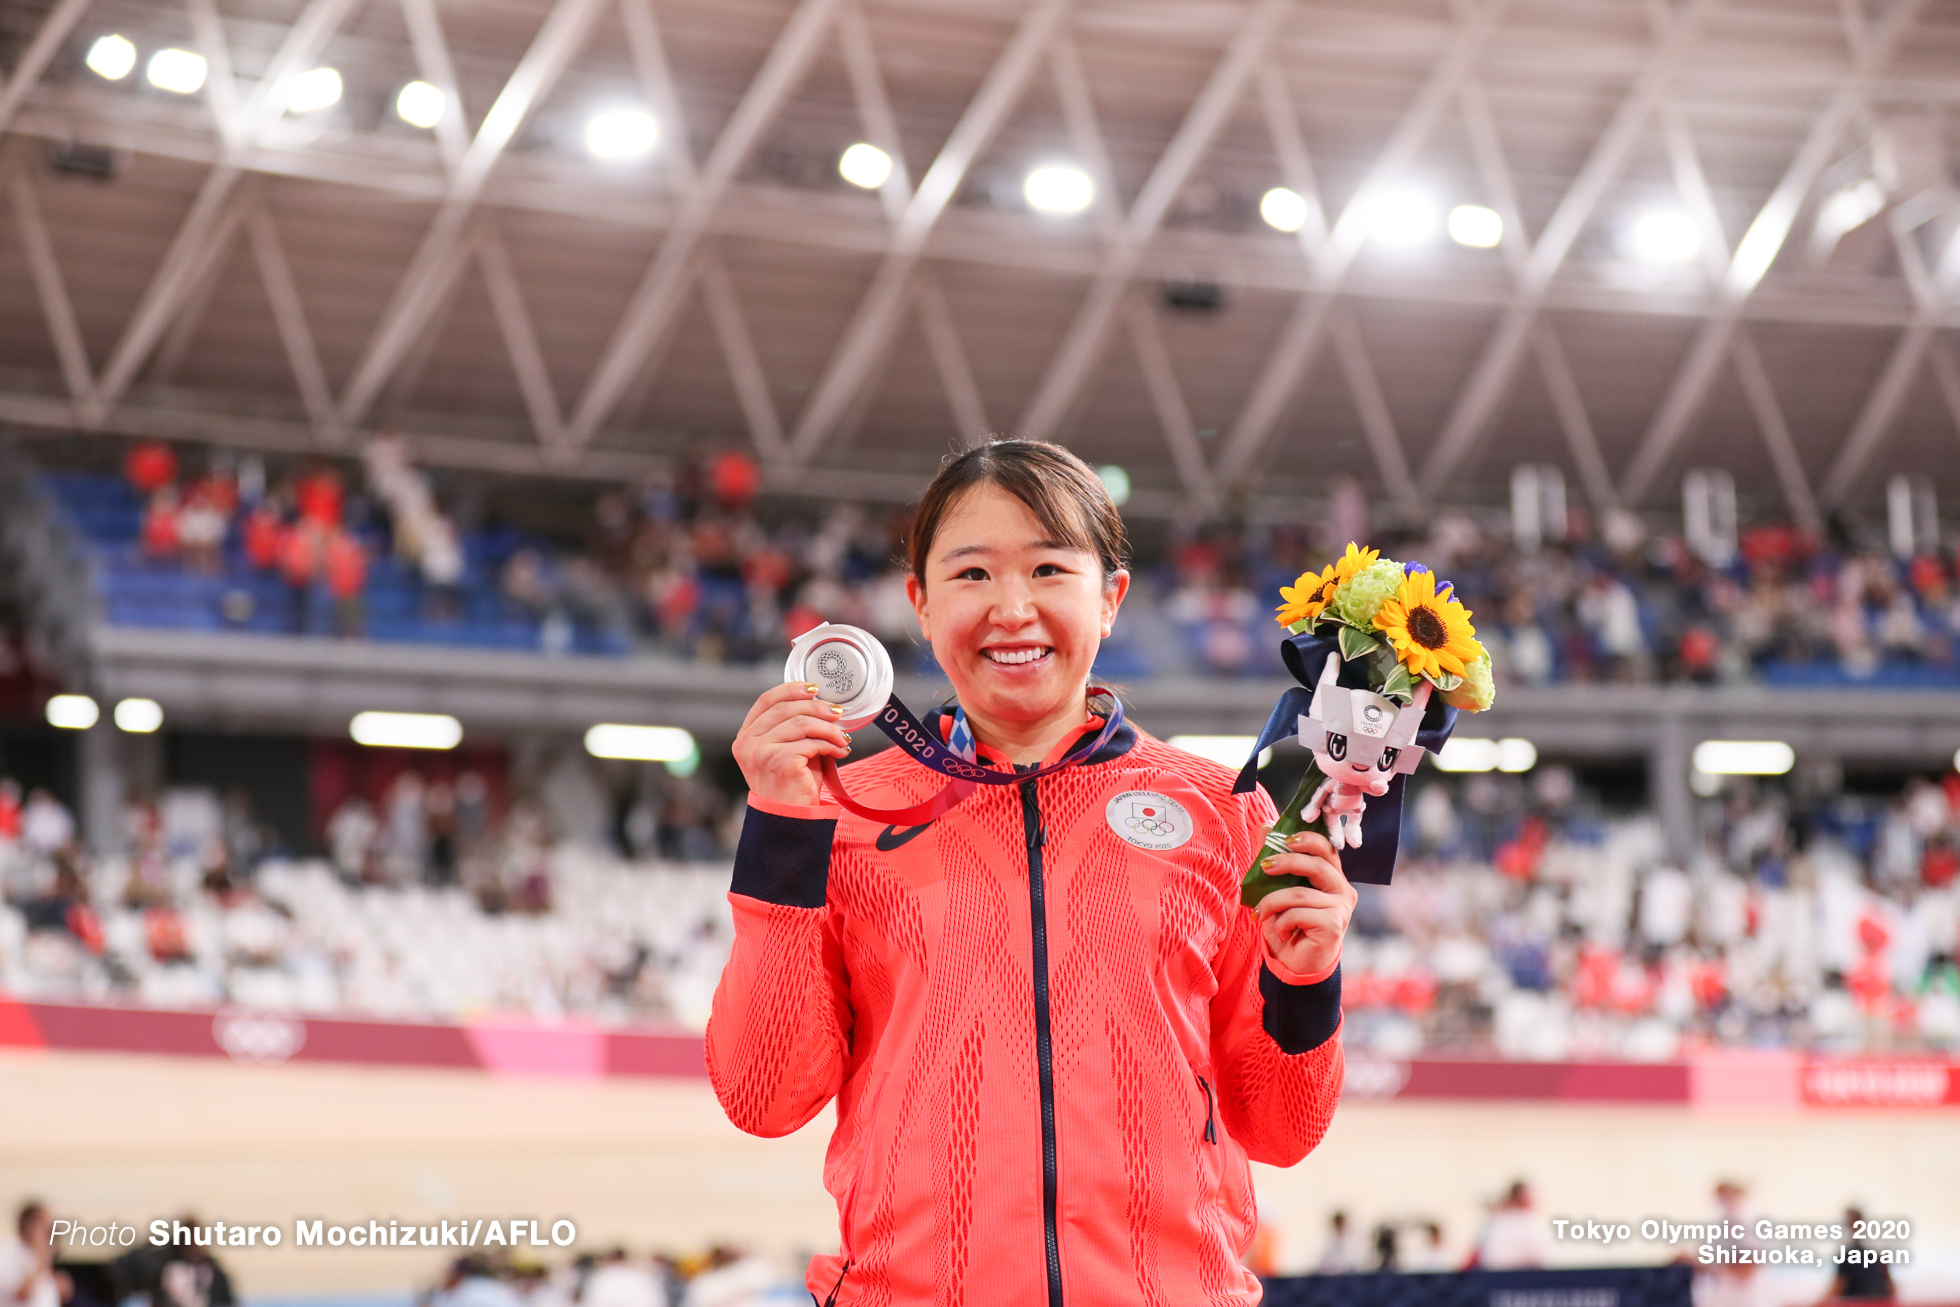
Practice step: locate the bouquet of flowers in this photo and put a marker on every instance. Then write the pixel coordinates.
(1386, 657)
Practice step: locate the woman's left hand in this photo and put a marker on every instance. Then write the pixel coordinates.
(1303, 926)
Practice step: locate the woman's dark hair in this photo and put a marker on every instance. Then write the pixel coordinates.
(1064, 494)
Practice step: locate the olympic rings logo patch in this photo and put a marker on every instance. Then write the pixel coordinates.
(1149, 820)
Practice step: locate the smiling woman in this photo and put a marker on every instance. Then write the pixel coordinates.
(1018, 567)
(1054, 1037)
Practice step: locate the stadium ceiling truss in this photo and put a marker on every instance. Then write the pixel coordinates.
(1614, 101)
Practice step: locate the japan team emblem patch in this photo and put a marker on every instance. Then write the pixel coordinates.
(1149, 820)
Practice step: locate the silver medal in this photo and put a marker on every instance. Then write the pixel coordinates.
(847, 665)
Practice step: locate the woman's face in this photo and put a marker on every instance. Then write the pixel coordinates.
(1014, 619)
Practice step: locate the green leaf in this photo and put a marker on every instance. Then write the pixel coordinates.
(1445, 681)
(1355, 642)
(1400, 685)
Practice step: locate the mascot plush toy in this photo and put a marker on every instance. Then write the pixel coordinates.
(1361, 741)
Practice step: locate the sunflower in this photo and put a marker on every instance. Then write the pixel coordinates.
(1307, 598)
(1431, 632)
(1355, 560)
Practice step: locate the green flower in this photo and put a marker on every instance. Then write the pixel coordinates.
(1360, 599)
(1476, 693)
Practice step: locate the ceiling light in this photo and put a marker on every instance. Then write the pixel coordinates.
(1852, 207)
(112, 57)
(1283, 210)
(1402, 217)
(1058, 189)
(1466, 753)
(1514, 755)
(1744, 757)
(316, 88)
(622, 134)
(420, 104)
(1225, 750)
(865, 165)
(1116, 481)
(72, 712)
(139, 716)
(176, 70)
(406, 730)
(1476, 226)
(640, 743)
(1663, 236)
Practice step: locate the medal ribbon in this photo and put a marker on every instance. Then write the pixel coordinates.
(922, 743)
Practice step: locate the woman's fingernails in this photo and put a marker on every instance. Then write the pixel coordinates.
(811, 687)
(1266, 864)
(837, 709)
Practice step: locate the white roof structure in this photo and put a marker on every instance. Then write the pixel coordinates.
(214, 266)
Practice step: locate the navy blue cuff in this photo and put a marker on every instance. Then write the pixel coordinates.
(1300, 1018)
(784, 860)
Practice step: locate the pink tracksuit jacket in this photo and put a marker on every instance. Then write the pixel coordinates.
(1051, 1030)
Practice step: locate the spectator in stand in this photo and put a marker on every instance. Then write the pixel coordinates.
(350, 834)
(526, 584)
(12, 860)
(1425, 1253)
(406, 834)
(175, 1275)
(66, 907)
(1514, 1237)
(1736, 1283)
(46, 825)
(345, 566)
(160, 529)
(150, 466)
(472, 813)
(473, 1282)
(441, 804)
(732, 1278)
(442, 564)
(618, 1282)
(300, 548)
(205, 519)
(1342, 1256)
(319, 498)
(27, 1274)
(262, 534)
(1855, 1281)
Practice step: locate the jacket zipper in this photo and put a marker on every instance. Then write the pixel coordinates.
(1211, 1130)
(1037, 835)
(836, 1288)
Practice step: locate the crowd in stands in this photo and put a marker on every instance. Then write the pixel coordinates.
(1525, 920)
(693, 566)
(723, 1276)
(41, 1268)
(461, 917)
(1622, 605)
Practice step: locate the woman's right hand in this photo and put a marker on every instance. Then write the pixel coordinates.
(782, 742)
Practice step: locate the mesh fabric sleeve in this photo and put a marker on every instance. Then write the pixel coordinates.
(778, 1042)
(1274, 1040)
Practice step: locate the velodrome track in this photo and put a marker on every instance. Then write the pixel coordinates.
(651, 1162)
